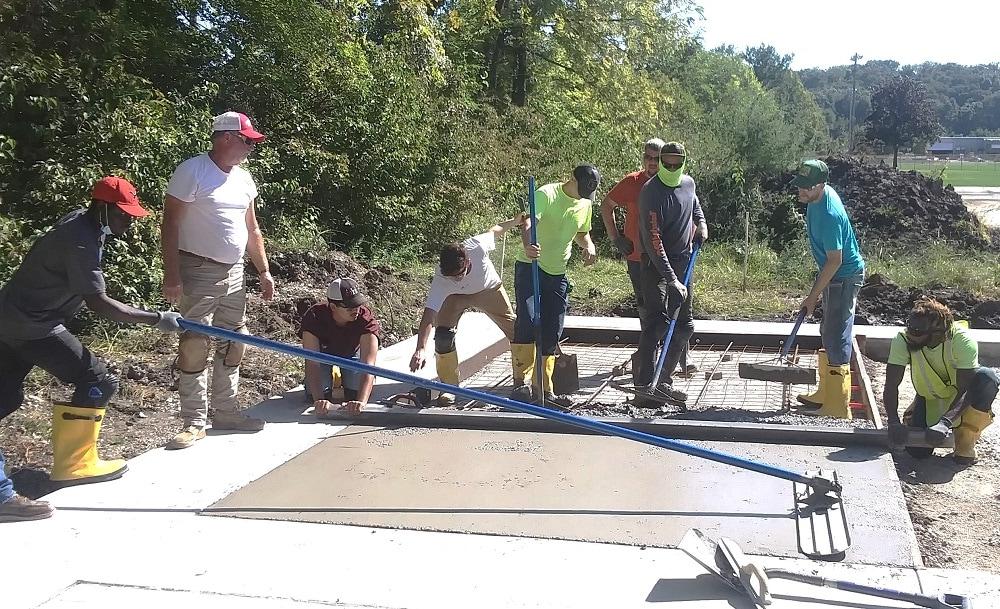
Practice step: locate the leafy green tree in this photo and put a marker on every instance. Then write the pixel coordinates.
(901, 115)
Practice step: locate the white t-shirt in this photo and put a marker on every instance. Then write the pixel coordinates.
(214, 224)
(482, 275)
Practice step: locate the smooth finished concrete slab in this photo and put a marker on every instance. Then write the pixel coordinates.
(138, 541)
(568, 486)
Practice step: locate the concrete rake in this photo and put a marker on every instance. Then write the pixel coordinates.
(783, 370)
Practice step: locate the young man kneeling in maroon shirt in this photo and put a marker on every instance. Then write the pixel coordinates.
(345, 328)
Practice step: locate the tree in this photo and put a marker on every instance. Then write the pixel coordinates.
(902, 114)
(769, 66)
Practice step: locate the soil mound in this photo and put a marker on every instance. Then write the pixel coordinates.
(882, 302)
(887, 204)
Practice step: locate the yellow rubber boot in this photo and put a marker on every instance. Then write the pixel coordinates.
(447, 369)
(837, 399)
(967, 434)
(74, 447)
(522, 361)
(336, 379)
(548, 368)
(816, 398)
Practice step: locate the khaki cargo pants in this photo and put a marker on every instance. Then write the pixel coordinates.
(214, 294)
(493, 302)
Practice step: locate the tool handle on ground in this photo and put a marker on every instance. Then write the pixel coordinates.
(897, 595)
(502, 402)
(673, 320)
(795, 332)
(536, 295)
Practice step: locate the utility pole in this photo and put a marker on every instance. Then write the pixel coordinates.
(854, 90)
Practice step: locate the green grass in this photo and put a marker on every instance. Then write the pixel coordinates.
(776, 284)
(957, 173)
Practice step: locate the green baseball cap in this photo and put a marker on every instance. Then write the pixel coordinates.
(810, 173)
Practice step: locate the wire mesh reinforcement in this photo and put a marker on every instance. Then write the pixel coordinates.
(595, 363)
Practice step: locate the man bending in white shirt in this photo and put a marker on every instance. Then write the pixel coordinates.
(465, 278)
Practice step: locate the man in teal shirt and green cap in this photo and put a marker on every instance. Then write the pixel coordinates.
(841, 273)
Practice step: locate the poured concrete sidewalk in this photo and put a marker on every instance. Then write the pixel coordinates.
(141, 541)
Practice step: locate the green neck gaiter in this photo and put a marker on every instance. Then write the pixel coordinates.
(670, 178)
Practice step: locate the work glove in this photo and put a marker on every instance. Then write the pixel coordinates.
(624, 246)
(897, 434)
(168, 321)
(937, 433)
(680, 289)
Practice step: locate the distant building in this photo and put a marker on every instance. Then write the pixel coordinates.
(957, 145)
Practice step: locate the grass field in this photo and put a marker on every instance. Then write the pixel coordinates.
(957, 173)
(776, 284)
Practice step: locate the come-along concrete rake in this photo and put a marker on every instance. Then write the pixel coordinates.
(820, 521)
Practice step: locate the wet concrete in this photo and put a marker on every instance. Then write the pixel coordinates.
(566, 486)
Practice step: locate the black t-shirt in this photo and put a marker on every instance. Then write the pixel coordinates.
(342, 341)
(47, 290)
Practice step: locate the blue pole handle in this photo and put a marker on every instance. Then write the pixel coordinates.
(673, 320)
(795, 332)
(536, 294)
(821, 484)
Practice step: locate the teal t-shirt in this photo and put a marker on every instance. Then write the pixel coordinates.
(830, 229)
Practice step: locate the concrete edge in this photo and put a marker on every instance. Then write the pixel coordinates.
(385, 416)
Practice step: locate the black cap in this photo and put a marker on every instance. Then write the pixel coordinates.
(587, 180)
(673, 148)
(345, 290)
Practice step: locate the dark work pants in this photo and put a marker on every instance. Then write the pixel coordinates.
(661, 302)
(62, 356)
(635, 276)
(553, 290)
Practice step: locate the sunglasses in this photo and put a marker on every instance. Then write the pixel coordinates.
(340, 304)
(649, 157)
(672, 166)
(246, 141)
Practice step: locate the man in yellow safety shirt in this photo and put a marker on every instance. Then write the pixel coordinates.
(954, 393)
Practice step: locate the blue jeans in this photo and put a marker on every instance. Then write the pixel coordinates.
(554, 290)
(837, 325)
(349, 378)
(6, 485)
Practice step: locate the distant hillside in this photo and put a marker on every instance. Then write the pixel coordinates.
(967, 97)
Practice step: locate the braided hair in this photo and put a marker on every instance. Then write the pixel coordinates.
(938, 315)
(928, 318)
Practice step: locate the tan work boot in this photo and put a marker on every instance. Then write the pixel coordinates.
(234, 421)
(190, 435)
(19, 509)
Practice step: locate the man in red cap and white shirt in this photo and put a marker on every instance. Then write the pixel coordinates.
(209, 224)
(60, 273)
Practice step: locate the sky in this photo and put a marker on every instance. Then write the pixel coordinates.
(823, 34)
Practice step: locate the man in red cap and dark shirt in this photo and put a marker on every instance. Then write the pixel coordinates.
(60, 273)
(344, 327)
(209, 224)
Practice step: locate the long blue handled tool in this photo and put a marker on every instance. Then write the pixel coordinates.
(536, 297)
(673, 321)
(782, 371)
(819, 503)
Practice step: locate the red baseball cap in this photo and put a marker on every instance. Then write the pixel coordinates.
(237, 121)
(120, 192)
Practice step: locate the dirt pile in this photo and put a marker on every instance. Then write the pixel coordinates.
(302, 279)
(885, 203)
(882, 302)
